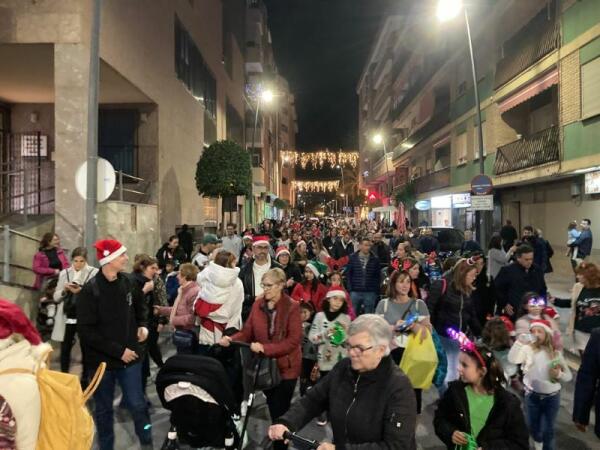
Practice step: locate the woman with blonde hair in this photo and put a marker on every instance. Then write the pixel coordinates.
(585, 304)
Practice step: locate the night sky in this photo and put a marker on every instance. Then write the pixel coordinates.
(321, 47)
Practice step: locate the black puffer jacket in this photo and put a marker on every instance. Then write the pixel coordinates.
(247, 277)
(369, 411)
(450, 308)
(505, 428)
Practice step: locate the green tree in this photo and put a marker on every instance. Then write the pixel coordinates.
(224, 170)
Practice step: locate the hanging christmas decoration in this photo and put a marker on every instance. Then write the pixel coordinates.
(316, 186)
(320, 158)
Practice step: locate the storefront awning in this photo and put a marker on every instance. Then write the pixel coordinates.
(531, 90)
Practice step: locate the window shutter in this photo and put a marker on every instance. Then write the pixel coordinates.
(590, 86)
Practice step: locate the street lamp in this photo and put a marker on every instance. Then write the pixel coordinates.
(266, 96)
(447, 10)
(378, 139)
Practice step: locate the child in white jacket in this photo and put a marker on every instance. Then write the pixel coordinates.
(544, 369)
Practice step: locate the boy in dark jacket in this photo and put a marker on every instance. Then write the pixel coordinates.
(586, 387)
(363, 275)
(112, 324)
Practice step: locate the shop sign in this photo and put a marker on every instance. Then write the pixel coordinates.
(442, 202)
(592, 183)
(482, 203)
(461, 200)
(423, 205)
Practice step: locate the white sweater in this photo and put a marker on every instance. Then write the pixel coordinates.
(536, 367)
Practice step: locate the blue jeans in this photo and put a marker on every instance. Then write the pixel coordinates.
(367, 300)
(452, 349)
(130, 380)
(541, 416)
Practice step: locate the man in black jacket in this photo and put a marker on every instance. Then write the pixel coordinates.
(343, 247)
(111, 322)
(509, 235)
(370, 402)
(516, 279)
(381, 250)
(252, 273)
(171, 251)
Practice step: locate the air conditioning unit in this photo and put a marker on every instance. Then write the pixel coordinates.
(575, 189)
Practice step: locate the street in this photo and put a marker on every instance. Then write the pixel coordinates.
(567, 437)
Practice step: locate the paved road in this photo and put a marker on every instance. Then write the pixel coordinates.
(567, 436)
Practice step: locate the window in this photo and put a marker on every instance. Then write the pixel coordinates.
(257, 157)
(476, 139)
(590, 86)
(461, 148)
(193, 71)
(210, 208)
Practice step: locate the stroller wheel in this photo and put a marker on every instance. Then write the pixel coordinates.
(171, 442)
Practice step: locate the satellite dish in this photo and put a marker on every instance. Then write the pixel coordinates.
(105, 183)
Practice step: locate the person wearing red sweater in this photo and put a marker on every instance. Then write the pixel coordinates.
(311, 289)
(274, 328)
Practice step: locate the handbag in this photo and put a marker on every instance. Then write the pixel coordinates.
(185, 339)
(419, 361)
(260, 373)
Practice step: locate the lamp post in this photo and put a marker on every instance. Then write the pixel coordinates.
(266, 96)
(343, 194)
(447, 10)
(378, 139)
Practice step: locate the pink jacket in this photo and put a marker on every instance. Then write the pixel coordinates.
(184, 318)
(41, 266)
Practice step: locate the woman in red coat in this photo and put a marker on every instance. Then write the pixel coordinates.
(311, 289)
(49, 260)
(274, 328)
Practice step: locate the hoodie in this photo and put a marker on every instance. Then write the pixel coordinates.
(219, 302)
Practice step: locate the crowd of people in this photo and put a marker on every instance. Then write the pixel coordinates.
(361, 315)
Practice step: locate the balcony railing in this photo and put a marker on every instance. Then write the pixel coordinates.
(538, 38)
(433, 181)
(383, 65)
(537, 149)
(439, 120)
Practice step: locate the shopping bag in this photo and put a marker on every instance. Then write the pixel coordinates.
(442, 366)
(419, 361)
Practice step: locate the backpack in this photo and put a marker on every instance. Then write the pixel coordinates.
(65, 420)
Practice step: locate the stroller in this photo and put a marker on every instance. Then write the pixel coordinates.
(197, 392)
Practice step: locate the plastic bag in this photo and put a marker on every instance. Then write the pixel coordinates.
(419, 361)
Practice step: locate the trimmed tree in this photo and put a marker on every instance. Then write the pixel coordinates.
(224, 170)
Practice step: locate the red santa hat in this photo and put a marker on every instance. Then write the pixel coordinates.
(13, 320)
(108, 250)
(281, 250)
(257, 240)
(336, 291)
(542, 324)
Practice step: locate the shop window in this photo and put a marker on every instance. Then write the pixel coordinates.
(210, 208)
(461, 148)
(590, 86)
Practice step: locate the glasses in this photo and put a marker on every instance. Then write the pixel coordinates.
(267, 285)
(359, 349)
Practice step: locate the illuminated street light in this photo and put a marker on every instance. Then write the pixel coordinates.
(448, 9)
(266, 96)
(377, 139)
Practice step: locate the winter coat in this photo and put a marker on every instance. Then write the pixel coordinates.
(303, 292)
(452, 309)
(587, 387)
(171, 286)
(156, 297)
(504, 429)
(513, 282)
(219, 303)
(60, 319)
(341, 249)
(164, 254)
(247, 277)
(285, 343)
(292, 272)
(108, 324)
(367, 280)
(184, 318)
(383, 253)
(583, 243)
(20, 390)
(374, 410)
(41, 266)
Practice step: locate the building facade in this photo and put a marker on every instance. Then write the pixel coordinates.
(537, 64)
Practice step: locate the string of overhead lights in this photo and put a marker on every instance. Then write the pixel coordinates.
(320, 158)
(316, 186)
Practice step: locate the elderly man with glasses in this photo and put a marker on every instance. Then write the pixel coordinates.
(368, 399)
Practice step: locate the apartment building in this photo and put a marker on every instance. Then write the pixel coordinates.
(275, 126)
(538, 65)
(172, 81)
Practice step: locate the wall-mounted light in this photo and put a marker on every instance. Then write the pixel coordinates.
(34, 117)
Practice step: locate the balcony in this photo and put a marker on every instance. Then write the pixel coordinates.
(382, 100)
(535, 40)
(433, 181)
(383, 67)
(254, 59)
(535, 150)
(440, 119)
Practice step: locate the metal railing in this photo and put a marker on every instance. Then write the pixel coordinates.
(537, 149)
(120, 189)
(6, 254)
(433, 181)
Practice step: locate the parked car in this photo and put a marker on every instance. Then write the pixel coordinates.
(450, 239)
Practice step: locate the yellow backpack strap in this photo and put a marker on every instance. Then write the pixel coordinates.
(44, 359)
(95, 382)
